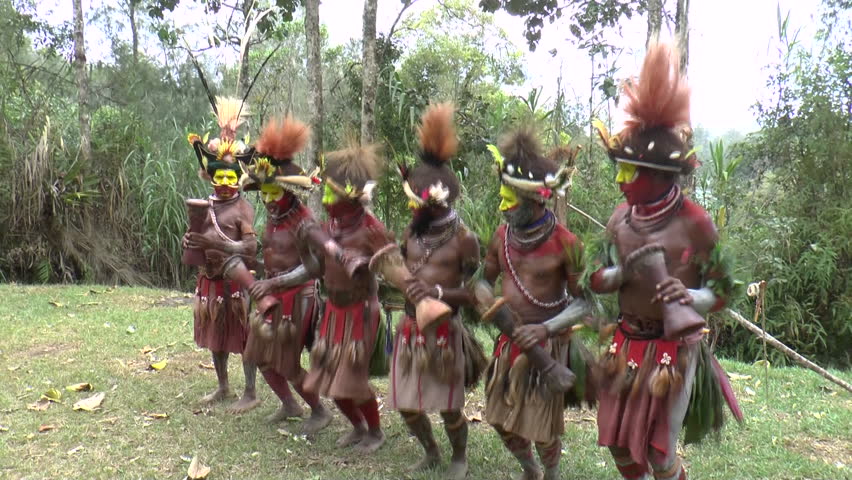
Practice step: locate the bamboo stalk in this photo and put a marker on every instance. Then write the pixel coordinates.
(796, 357)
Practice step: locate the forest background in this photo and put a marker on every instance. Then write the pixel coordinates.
(96, 163)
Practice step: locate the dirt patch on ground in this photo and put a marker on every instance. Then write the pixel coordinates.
(184, 299)
(833, 451)
(50, 349)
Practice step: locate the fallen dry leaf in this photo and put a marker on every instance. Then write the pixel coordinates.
(40, 405)
(158, 365)
(146, 349)
(79, 387)
(157, 416)
(206, 366)
(197, 470)
(53, 395)
(46, 428)
(4, 428)
(74, 450)
(56, 304)
(91, 403)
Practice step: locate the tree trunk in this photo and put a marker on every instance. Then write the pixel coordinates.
(315, 111)
(655, 20)
(82, 84)
(134, 31)
(682, 33)
(245, 76)
(369, 75)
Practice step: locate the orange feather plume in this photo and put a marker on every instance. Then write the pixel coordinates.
(660, 98)
(437, 133)
(281, 139)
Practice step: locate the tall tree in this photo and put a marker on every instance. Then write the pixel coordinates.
(315, 111)
(370, 74)
(655, 20)
(682, 32)
(131, 7)
(82, 83)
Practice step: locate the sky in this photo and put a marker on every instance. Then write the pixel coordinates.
(731, 44)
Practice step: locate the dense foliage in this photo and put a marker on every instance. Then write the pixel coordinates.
(778, 195)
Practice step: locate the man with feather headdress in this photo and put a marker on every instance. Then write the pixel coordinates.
(277, 338)
(541, 263)
(347, 333)
(428, 366)
(658, 374)
(224, 234)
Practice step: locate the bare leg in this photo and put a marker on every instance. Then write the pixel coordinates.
(665, 469)
(549, 454)
(249, 399)
(320, 416)
(289, 407)
(420, 426)
(220, 364)
(374, 438)
(455, 425)
(628, 469)
(353, 414)
(521, 448)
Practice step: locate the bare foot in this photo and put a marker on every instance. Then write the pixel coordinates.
(244, 404)
(371, 442)
(353, 437)
(428, 462)
(218, 395)
(457, 470)
(288, 409)
(319, 419)
(536, 474)
(552, 473)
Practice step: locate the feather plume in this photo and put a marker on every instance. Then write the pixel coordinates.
(231, 114)
(660, 97)
(437, 134)
(357, 164)
(521, 146)
(282, 139)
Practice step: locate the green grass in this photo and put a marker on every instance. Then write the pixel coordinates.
(797, 425)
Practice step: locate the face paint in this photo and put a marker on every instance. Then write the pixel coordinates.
(329, 196)
(646, 187)
(225, 176)
(270, 193)
(627, 173)
(509, 199)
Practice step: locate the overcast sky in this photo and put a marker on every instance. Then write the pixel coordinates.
(731, 43)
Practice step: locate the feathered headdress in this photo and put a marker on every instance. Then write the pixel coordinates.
(656, 134)
(224, 151)
(352, 172)
(523, 167)
(279, 142)
(432, 181)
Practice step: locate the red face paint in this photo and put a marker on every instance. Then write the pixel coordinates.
(647, 188)
(342, 208)
(226, 191)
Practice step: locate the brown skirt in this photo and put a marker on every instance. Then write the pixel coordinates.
(340, 359)
(220, 315)
(427, 369)
(282, 352)
(517, 398)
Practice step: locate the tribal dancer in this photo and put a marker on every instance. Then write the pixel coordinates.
(225, 233)
(671, 275)
(540, 261)
(275, 341)
(428, 366)
(346, 336)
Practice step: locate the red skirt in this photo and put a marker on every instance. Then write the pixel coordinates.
(220, 315)
(282, 351)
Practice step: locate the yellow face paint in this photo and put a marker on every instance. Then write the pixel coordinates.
(627, 173)
(329, 197)
(225, 177)
(271, 193)
(509, 198)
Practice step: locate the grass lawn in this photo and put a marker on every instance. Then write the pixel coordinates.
(797, 426)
